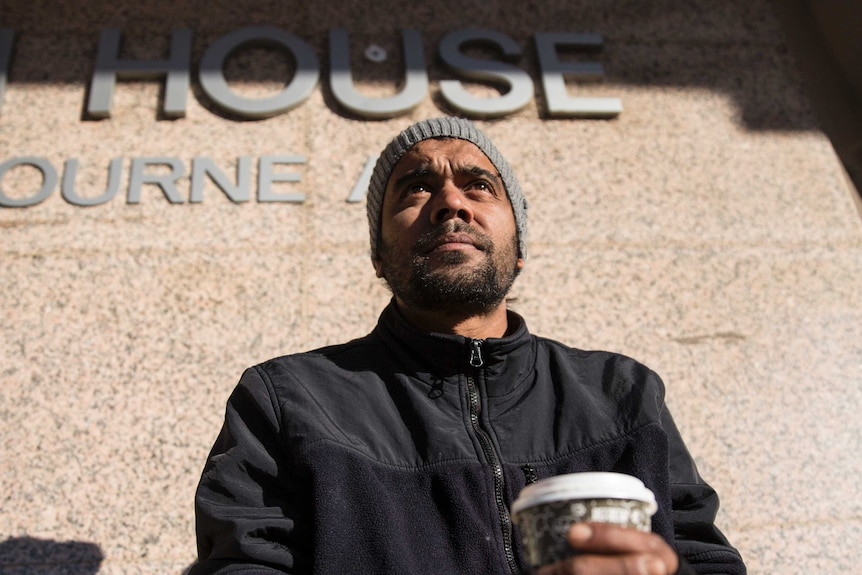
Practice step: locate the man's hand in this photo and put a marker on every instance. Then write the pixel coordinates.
(612, 550)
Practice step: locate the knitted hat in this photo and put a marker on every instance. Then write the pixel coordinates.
(441, 128)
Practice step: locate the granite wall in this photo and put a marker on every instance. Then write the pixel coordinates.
(708, 230)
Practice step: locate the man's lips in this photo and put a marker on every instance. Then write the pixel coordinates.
(449, 242)
(452, 236)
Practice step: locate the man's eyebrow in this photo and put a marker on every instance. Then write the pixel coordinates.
(479, 171)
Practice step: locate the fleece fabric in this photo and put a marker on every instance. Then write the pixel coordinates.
(402, 452)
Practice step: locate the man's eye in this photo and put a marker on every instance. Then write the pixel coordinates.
(417, 189)
(482, 186)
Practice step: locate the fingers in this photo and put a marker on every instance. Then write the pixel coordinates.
(607, 565)
(605, 538)
(612, 550)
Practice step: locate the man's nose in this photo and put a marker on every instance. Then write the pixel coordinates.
(450, 203)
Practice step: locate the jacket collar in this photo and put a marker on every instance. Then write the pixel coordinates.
(507, 361)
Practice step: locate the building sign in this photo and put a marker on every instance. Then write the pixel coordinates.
(176, 72)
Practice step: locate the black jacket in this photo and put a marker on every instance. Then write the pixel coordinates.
(401, 452)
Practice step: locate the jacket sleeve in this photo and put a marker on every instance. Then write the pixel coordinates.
(703, 549)
(249, 516)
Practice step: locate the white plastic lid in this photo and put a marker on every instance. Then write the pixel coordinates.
(592, 485)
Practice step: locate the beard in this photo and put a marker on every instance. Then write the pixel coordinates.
(455, 286)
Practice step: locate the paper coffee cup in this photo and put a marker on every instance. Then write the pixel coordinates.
(545, 511)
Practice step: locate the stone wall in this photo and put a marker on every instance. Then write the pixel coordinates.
(708, 230)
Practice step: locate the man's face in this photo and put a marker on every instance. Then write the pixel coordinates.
(448, 239)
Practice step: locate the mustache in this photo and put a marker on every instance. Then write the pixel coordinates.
(432, 237)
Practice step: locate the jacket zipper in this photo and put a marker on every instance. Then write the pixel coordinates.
(476, 362)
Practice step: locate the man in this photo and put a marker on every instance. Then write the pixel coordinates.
(402, 452)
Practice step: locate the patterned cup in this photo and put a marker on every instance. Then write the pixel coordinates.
(544, 511)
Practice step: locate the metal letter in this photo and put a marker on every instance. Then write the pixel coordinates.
(520, 85)
(341, 80)
(266, 177)
(109, 67)
(360, 189)
(202, 167)
(70, 171)
(167, 182)
(6, 38)
(298, 89)
(560, 104)
(49, 181)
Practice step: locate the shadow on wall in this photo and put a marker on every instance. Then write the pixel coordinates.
(30, 556)
(734, 47)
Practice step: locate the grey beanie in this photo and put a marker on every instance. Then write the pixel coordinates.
(441, 128)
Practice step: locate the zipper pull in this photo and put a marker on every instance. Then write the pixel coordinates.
(476, 352)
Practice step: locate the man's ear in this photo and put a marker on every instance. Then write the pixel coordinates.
(378, 268)
(520, 264)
